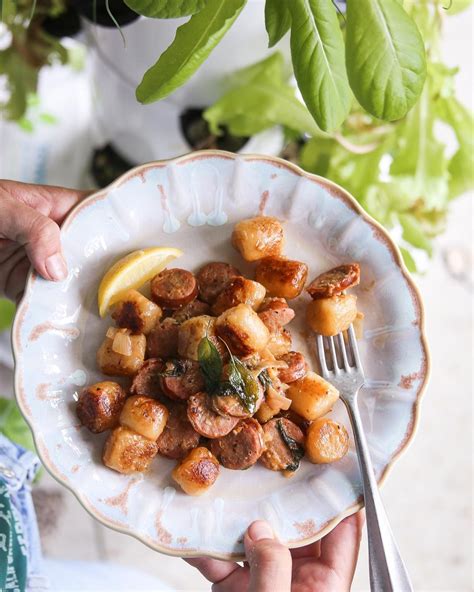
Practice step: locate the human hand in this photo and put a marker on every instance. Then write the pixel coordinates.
(327, 565)
(30, 216)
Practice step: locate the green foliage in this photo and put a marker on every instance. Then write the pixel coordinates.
(210, 363)
(317, 52)
(385, 57)
(166, 9)
(258, 98)
(277, 20)
(193, 43)
(7, 312)
(13, 426)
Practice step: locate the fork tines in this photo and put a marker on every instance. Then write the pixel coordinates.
(342, 354)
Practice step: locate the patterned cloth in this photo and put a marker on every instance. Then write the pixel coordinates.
(20, 550)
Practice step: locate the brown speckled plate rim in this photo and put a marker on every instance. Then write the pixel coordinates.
(337, 192)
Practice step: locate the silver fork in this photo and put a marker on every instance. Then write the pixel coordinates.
(387, 570)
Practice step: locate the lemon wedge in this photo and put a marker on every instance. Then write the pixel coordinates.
(131, 272)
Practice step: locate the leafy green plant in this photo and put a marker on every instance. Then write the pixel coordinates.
(13, 426)
(400, 172)
(7, 312)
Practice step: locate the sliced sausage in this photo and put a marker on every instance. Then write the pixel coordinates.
(162, 342)
(181, 379)
(281, 454)
(334, 281)
(213, 278)
(174, 288)
(196, 308)
(276, 309)
(179, 436)
(147, 381)
(242, 447)
(297, 367)
(233, 405)
(301, 422)
(205, 420)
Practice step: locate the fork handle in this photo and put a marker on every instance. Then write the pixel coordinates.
(387, 570)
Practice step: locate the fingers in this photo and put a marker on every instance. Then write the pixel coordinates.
(49, 200)
(37, 233)
(213, 569)
(340, 548)
(269, 560)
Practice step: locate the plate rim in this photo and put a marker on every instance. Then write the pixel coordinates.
(336, 191)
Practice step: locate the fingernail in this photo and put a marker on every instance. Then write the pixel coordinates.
(56, 267)
(260, 530)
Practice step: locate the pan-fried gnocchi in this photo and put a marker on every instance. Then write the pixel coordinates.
(212, 375)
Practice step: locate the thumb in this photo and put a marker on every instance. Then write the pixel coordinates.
(269, 560)
(38, 234)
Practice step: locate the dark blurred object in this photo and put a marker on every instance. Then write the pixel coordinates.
(107, 165)
(196, 131)
(66, 24)
(121, 12)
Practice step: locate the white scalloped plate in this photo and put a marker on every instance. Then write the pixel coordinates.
(192, 203)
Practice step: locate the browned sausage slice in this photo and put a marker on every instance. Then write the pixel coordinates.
(276, 309)
(242, 447)
(174, 288)
(162, 342)
(205, 420)
(196, 308)
(213, 278)
(181, 379)
(147, 381)
(179, 436)
(280, 453)
(297, 367)
(334, 281)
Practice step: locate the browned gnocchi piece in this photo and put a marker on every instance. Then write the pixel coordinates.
(240, 290)
(135, 312)
(127, 452)
(242, 330)
(258, 237)
(326, 441)
(99, 406)
(279, 343)
(145, 416)
(284, 278)
(197, 472)
(312, 396)
(330, 316)
(113, 363)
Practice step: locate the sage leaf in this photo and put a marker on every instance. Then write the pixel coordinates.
(277, 20)
(385, 57)
(192, 45)
(297, 450)
(317, 51)
(249, 383)
(166, 9)
(210, 363)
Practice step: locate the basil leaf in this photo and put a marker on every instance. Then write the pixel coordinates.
(297, 450)
(317, 51)
(210, 363)
(385, 57)
(7, 312)
(193, 43)
(277, 20)
(166, 9)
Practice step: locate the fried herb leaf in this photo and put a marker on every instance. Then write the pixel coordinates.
(174, 368)
(297, 450)
(264, 379)
(210, 363)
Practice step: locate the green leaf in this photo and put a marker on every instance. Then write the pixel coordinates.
(277, 20)
(316, 155)
(7, 313)
(13, 426)
(408, 259)
(385, 57)
(461, 165)
(456, 6)
(317, 51)
(193, 43)
(414, 233)
(210, 363)
(22, 80)
(166, 9)
(270, 70)
(297, 450)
